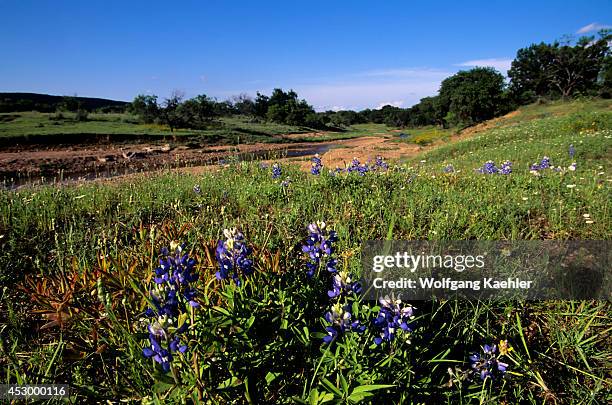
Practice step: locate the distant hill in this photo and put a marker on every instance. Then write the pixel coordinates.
(15, 102)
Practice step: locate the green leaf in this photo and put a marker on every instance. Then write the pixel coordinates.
(368, 388)
(271, 376)
(222, 310)
(345, 386)
(313, 398)
(331, 387)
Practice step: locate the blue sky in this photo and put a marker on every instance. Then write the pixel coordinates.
(336, 54)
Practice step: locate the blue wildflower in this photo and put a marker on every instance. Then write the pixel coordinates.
(342, 284)
(276, 171)
(171, 296)
(490, 168)
(316, 165)
(572, 151)
(393, 317)
(356, 166)
(165, 340)
(506, 167)
(449, 169)
(487, 364)
(319, 244)
(286, 183)
(176, 271)
(544, 164)
(340, 321)
(197, 189)
(380, 163)
(233, 256)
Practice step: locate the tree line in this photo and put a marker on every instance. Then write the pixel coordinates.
(551, 71)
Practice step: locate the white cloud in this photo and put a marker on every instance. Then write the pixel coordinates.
(501, 64)
(592, 27)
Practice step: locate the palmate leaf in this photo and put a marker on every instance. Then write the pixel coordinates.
(364, 391)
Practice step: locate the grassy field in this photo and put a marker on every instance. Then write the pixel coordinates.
(235, 129)
(77, 262)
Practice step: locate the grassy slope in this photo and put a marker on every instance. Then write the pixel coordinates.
(52, 230)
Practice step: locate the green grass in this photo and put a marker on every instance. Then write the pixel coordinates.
(225, 129)
(261, 341)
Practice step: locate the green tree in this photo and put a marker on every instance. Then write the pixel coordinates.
(260, 107)
(529, 72)
(243, 104)
(575, 69)
(146, 107)
(171, 114)
(197, 112)
(561, 70)
(473, 96)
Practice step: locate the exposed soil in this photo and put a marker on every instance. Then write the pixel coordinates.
(23, 164)
(30, 162)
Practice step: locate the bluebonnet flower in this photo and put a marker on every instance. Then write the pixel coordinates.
(353, 165)
(197, 189)
(276, 171)
(233, 256)
(319, 244)
(171, 297)
(449, 169)
(177, 272)
(487, 364)
(572, 151)
(380, 164)
(286, 183)
(544, 164)
(316, 165)
(165, 340)
(392, 318)
(342, 284)
(490, 168)
(341, 321)
(506, 167)
(356, 166)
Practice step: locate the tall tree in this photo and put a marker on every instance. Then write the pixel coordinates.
(560, 69)
(473, 96)
(146, 107)
(529, 72)
(171, 112)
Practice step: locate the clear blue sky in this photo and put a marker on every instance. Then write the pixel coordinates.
(349, 54)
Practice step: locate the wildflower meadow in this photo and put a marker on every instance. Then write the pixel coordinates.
(243, 284)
